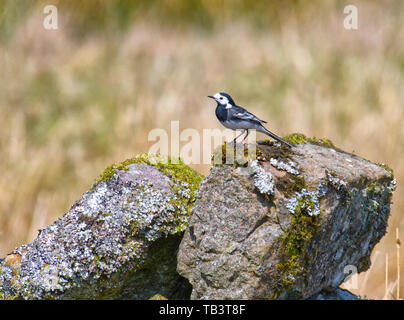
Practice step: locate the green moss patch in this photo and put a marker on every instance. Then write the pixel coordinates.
(172, 168)
(158, 296)
(387, 168)
(237, 155)
(183, 179)
(305, 213)
(290, 184)
(294, 243)
(298, 138)
(267, 150)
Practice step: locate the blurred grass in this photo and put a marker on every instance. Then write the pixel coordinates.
(77, 99)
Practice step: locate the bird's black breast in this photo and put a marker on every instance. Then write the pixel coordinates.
(221, 113)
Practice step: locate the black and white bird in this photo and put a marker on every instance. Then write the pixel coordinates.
(235, 117)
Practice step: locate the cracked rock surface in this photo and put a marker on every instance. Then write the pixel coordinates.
(286, 225)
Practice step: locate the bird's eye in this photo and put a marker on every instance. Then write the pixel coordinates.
(221, 98)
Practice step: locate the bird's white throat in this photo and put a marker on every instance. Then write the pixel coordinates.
(228, 106)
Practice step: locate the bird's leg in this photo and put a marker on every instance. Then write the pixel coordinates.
(234, 141)
(245, 135)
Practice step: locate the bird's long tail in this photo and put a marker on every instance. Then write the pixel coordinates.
(274, 136)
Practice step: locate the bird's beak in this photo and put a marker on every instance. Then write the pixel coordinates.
(212, 97)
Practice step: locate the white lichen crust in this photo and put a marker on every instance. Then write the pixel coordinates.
(305, 201)
(104, 238)
(263, 180)
(289, 166)
(243, 244)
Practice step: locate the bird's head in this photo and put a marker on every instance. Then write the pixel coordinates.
(223, 99)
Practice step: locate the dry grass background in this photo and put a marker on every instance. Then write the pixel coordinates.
(76, 99)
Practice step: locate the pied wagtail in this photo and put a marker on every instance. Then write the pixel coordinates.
(235, 117)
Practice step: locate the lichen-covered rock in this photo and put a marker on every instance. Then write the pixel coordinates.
(118, 241)
(286, 224)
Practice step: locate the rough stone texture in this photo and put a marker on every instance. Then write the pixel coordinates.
(284, 225)
(337, 294)
(119, 241)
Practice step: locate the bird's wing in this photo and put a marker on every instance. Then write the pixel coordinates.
(242, 114)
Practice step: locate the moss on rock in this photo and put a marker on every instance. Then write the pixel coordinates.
(118, 241)
(298, 138)
(158, 296)
(387, 168)
(289, 222)
(294, 243)
(171, 167)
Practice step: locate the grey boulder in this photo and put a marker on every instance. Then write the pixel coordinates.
(119, 241)
(284, 224)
